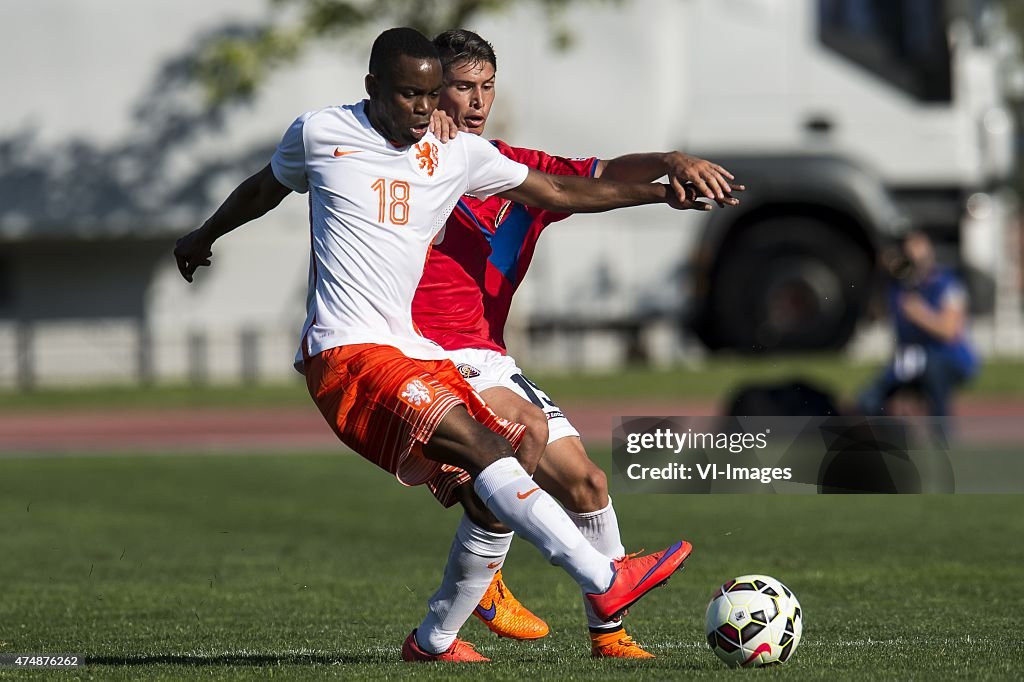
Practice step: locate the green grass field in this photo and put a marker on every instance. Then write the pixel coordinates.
(298, 567)
(712, 379)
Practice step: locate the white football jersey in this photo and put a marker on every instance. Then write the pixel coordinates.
(375, 209)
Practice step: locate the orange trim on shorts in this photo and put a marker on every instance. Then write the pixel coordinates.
(382, 403)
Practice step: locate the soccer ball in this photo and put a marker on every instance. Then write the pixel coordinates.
(753, 620)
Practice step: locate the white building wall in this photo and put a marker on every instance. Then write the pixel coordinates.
(642, 75)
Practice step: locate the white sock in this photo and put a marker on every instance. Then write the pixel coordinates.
(520, 504)
(474, 557)
(601, 529)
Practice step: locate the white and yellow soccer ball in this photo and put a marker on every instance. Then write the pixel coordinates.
(752, 621)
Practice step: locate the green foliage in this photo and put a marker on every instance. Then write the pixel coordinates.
(232, 67)
(1014, 15)
(235, 67)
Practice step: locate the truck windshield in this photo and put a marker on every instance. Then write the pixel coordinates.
(903, 42)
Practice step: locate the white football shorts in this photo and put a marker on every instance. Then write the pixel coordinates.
(485, 369)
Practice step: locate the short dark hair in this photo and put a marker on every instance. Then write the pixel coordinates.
(396, 42)
(458, 44)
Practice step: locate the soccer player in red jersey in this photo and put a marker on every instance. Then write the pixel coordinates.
(380, 188)
(462, 303)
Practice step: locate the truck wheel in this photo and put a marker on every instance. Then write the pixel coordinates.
(792, 283)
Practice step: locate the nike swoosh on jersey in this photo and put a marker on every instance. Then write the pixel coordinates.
(339, 152)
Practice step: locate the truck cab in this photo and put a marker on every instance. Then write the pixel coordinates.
(853, 121)
(850, 122)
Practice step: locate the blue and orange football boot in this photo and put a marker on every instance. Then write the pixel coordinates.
(635, 576)
(506, 616)
(460, 651)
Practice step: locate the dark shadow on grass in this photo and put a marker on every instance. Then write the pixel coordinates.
(254, 660)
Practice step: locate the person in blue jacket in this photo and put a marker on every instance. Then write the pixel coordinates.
(928, 306)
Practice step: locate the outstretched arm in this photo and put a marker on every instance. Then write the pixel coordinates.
(571, 194)
(711, 180)
(254, 197)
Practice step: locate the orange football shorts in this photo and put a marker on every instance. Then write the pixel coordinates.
(384, 405)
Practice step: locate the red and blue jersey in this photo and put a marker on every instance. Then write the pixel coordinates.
(469, 279)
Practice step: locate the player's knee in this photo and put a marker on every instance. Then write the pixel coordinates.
(590, 492)
(490, 446)
(477, 512)
(536, 423)
(535, 439)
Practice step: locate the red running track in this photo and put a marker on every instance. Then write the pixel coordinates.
(303, 429)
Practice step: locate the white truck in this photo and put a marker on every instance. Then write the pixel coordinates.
(850, 121)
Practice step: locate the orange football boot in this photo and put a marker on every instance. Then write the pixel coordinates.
(616, 644)
(635, 576)
(460, 651)
(506, 616)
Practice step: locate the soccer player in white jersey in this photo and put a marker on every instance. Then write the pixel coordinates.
(380, 191)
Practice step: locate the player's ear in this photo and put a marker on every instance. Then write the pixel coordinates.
(370, 83)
